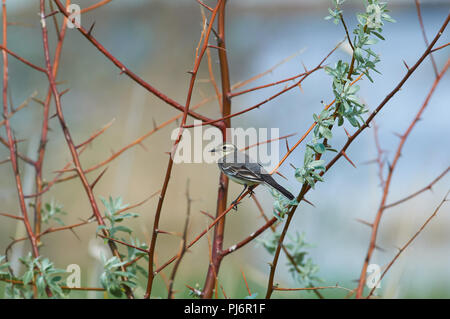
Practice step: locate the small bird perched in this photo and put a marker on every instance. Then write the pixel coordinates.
(240, 168)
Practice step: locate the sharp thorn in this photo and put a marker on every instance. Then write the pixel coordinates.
(389, 166)
(75, 234)
(364, 222)
(281, 175)
(287, 145)
(207, 214)
(98, 178)
(348, 159)
(91, 28)
(143, 146)
(38, 101)
(346, 132)
(406, 65)
(64, 92)
(51, 14)
(304, 67)
(398, 134)
(160, 231)
(369, 162)
(307, 201)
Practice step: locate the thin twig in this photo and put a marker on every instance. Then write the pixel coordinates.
(197, 62)
(426, 188)
(183, 248)
(424, 34)
(311, 288)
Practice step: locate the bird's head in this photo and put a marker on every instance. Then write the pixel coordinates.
(224, 149)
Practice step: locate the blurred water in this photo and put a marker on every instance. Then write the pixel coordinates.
(158, 43)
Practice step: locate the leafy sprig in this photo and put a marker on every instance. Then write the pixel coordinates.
(113, 216)
(347, 106)
(114, 278)
(41, 273)
(303, 270)
(53, 211)
(281, 204)
(4, 270)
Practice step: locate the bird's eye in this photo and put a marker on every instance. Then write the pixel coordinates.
(224, 148)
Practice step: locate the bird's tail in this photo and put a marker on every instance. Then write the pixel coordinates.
(272, 183)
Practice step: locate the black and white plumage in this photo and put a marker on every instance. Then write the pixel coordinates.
(240, 168)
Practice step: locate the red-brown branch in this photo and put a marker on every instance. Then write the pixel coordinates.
(311, 288)
(420, 191)
(234, 94)
(183, 248)
(44, 130)
(38, 68)
(440, 47)
(219, 230)
(197, 62)
(402, 249)
(68, 136)
(11, 141)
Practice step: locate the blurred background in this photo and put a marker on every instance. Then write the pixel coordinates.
(157, 40)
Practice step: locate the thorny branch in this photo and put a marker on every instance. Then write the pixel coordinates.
(402, 249)
(69, 140)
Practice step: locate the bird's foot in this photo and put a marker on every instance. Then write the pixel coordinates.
(235, 204)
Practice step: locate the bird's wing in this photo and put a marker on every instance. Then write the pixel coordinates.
(240, 165)
(241, 171)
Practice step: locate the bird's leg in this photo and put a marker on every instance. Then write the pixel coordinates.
(250, 190)
(235, 202)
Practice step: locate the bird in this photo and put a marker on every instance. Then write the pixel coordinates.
(240, 168)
